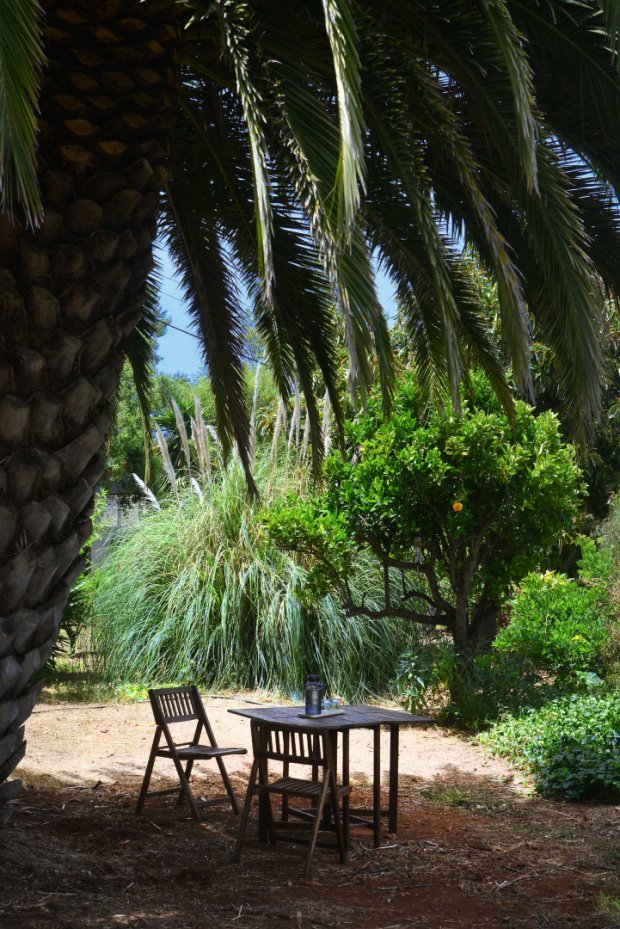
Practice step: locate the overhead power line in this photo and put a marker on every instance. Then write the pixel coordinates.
(194, 335)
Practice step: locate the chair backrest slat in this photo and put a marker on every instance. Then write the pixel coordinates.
(293, 747)
(176, 704)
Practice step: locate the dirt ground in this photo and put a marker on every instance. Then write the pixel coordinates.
(474, 848)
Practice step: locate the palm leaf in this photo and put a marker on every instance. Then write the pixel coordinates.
(341, 30)
(212, 298)
(510, 44)
(236, 23)
(140, 347)
(21, 59)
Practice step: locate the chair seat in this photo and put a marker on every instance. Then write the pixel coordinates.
(297, 787)
(200, 751)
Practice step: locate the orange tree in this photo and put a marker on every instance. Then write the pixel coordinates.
(456, 508)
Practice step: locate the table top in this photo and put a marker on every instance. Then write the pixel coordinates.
(356, 716)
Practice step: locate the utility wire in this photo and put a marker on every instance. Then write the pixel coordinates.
(248, 358)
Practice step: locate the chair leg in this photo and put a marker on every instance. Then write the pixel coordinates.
(186, 789)
(228, 785)
(346, 800)
(246, 811)
(316, 825)
(188, 774)
(147, 774)
(268, 812)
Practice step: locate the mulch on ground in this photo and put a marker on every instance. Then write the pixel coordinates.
(467, 854)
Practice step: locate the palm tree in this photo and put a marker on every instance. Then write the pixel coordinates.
(286, 144)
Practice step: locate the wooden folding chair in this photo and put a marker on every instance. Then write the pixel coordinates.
(173, 705)
(316, 750)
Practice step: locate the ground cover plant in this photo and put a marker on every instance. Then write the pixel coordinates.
(564, 636)
(570, 745)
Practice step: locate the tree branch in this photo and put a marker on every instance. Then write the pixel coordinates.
(416, 593)
(428, 570)
(398, 612)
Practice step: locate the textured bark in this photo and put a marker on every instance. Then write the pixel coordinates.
(70, 293)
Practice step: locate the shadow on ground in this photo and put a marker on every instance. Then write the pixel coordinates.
(469, 853)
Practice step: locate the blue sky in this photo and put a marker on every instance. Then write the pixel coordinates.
(179, 352)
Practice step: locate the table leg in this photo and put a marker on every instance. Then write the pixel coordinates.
(376, 788)
(346, 800)
(393, 803)
(264, 807)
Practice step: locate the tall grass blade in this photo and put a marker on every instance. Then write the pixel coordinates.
(254, 412)
(280, 424)
(150, 496)
(167, 460)
(182, 430)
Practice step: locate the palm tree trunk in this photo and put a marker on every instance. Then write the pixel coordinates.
(70, 292)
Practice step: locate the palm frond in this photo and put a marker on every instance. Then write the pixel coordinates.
(301, 313)
(414, 125)
(600, 212)
(195, 246)
(563, 293)
(140, 346)
(363, 315)
(611, 11)
(21, 59)
(235, 19)
(511, 46)
(576, 75)
(341, 30)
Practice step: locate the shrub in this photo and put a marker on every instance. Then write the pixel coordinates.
(571, 745)
(556, 625)
(424, 671)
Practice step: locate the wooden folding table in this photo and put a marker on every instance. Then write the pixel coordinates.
(358, 716)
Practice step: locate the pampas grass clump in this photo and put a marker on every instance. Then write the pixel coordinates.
(196, 591)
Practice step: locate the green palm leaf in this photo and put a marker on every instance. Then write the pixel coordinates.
(340, 25)
(21, 59)
(236, 23)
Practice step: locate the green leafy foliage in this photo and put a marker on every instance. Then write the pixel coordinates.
(483, 689)
(455, 507)
(564, 634)
(517, 482)
(571, 745)
(423, 670)
(556, 625)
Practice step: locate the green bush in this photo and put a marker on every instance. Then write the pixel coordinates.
(424, 671)
(556, 625)
(492, 684)
(571, 745)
